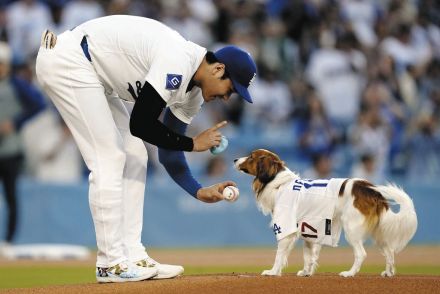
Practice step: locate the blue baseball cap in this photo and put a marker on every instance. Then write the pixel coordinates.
(241, 68)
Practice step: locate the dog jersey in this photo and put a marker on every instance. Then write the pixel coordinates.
(127, 51)
(307, 207)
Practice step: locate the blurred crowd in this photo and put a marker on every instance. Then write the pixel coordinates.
(362, 76)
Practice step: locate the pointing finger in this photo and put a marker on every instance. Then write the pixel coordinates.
(219, 125)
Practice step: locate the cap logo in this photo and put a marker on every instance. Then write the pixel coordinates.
(173, 81)
(253, 79)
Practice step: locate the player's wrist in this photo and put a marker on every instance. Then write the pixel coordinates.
(194, 149)
(200, 194)
(186, 143)
(198, 145)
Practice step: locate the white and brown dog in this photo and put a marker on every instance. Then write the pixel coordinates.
(317, 211)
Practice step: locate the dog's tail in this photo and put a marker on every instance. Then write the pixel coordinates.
(396, 228)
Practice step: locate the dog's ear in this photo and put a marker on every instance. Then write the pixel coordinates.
(267, 168)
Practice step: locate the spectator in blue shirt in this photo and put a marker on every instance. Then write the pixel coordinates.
(19, 101)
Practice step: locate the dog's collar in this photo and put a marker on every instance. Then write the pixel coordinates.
(281, 178)
(266, 197)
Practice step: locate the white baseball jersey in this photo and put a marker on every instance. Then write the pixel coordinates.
(307, 207)
(125, 58)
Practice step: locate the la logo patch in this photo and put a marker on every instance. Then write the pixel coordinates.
(276, 229)
(173, 81)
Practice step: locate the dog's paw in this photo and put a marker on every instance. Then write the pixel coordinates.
(270, 273)
(303, 273)
(387, 274)
(346, 274)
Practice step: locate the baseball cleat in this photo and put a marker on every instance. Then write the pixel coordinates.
(124, 273)
(165, 271)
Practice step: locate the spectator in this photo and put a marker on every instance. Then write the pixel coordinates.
(399, 12)
(401, 48)
(322, 167)
(56, 11)
(181, 19)
(362, 15)
(49, 148)
(79, 11)
(151, 9)
(3, 24)
(203, 10)
(338, 76)
(19, 101)
(424, 155)
(392, 112)
(430, 90)
(115, 7)
(365, 168)
(272, 105)
(371, 135)
(277, 52)
(216, 167)
(26, 20)
(315, 131)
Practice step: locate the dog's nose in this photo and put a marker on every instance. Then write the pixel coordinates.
(235, 160)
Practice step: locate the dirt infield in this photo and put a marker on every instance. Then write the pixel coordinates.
(241, 283)
(254, 283)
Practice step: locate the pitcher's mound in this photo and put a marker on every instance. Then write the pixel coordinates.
(252, 283)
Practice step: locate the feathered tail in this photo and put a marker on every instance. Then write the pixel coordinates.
(396, 228)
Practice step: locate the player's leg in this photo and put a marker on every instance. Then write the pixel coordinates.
(9, 175)
(134, 178)
(79, 96)
(101, 145)
(134, 193)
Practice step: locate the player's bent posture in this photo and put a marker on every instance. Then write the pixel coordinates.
(110, 78)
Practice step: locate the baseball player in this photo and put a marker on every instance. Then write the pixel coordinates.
(111, 78)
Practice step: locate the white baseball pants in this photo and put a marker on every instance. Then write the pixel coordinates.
(100, 126)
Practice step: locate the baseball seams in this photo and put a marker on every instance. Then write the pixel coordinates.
(231, 193)
(48, 39)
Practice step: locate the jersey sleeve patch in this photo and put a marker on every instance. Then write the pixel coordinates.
(173, 81)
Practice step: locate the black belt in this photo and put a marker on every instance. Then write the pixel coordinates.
(85, 48)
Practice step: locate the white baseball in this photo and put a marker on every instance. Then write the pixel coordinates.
(230, 193)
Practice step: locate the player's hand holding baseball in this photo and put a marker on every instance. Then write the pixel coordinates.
(213, 193)
(208, 138)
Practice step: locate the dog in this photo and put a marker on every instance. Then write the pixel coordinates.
(317, 211)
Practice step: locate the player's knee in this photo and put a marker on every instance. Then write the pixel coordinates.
(138, 152)
(118, 160)
(110, 163)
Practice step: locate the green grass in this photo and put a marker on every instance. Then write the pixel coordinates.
(34, 276)
(37, 276)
